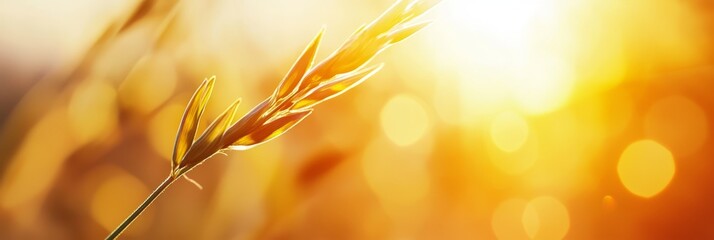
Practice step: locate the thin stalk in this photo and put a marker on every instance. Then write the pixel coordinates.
(141, 208)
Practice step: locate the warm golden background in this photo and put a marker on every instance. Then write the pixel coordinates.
(543, 119)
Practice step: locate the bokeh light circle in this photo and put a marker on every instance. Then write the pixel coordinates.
(678, 123)
(506, 221)
(404, 120)
(646, 168)
(546, 218)
(116, 196)
(608, 203)
(92, 110)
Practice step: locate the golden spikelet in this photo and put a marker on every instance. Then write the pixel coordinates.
(304, 86)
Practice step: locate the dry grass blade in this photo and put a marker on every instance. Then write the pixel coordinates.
(403, 33)
(270, 130)
(210, 141)
(304, 62)
(247, 122)
(189, 121)
(335, 87)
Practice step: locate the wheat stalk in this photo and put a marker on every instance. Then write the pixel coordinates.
(303, 87)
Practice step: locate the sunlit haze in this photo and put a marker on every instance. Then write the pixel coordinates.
(511, 119)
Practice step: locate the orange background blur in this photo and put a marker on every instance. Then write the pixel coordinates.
(538, 119)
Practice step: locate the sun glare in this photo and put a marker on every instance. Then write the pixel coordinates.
(456, 119)
(509, 52)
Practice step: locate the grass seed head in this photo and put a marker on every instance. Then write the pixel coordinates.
(304, 86)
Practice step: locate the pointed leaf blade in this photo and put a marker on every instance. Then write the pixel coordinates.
(189, 121)
(405, 32)
(336, 87)
(270, 130)
(389, 18)
(299, 68)
(246, 123)
(210, 141)
(418, 8)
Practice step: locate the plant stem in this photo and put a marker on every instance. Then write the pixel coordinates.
(141, 208)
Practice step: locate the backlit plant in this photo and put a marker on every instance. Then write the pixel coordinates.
(304, 86)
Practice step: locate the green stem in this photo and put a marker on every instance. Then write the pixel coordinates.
(141, 208)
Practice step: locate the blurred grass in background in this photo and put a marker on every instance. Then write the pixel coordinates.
(587, 119)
